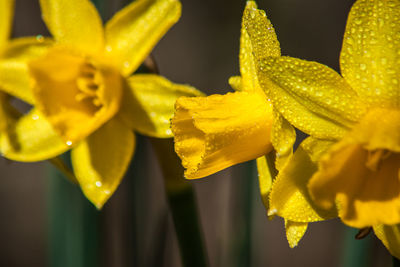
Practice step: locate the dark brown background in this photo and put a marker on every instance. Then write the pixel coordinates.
(202, 50)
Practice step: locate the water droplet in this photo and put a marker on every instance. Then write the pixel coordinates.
(39, 38)
(35, 117)
(168, 131)
(69, 143)
(107, 192)
(99, 184)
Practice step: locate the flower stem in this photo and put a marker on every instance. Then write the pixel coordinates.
(182, 203)
(73, 224)
(355, 252)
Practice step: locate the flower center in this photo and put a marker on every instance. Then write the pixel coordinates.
(375, 158)
(89, 83)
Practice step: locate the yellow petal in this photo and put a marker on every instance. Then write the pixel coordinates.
(32, 139)
(75, 23)
(6, 18)
(76, 95)
(311, 96)
(379, 129)
(294, 232)
(15, 79)
(236, 83)
(148, 103)
(390, 237)
(8, 116)
(101, 160)
(266, 174)
(265, 41)
(133, 32)
(283, 138)
(364, 184)
(289, 196)
(370, 55)
(218, 131)
(316, 148)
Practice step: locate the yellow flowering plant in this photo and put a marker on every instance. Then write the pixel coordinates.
(84, 97)
(14, 78)
(351, 161)
(215, 132)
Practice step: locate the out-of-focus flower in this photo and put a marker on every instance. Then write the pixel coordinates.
(218, 131)
(84, 97)
(14, 74)
(351, 162)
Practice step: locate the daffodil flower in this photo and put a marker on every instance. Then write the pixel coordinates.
(84, 97)
(14, 74)
(215, 132)
(351, 162)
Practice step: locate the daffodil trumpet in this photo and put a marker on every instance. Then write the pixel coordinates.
(351, 161)
(84, 97)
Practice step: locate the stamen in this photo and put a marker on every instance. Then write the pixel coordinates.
(375, 158)
(88, 85)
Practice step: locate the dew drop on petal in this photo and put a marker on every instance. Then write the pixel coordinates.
(98, 184)
(39, 38)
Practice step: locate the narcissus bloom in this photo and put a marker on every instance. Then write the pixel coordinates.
(218, 131)
(351, 162)
(14, 76)
(84, 97)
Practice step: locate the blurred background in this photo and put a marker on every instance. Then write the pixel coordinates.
(135, 227)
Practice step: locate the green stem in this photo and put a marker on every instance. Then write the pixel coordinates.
(247, 188)
(182, 203)
(73, 224)
(355, 252)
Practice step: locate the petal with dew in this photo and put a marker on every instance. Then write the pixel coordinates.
(283, 138)
(101, 160)
(266, 174)
(295, 232)
(15, 79)
(390, 237)
(218, 131)
(75, 23)
(148, 103)
(6, 18)
(289, 196)
(370, 55)
(265, 37)
(76, 95)
(32, 138)
(311, 96)
(133, 32)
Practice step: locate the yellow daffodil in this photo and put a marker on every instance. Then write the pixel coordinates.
(14, 75)
(351, 162)
(218, 131)
(84, 97)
